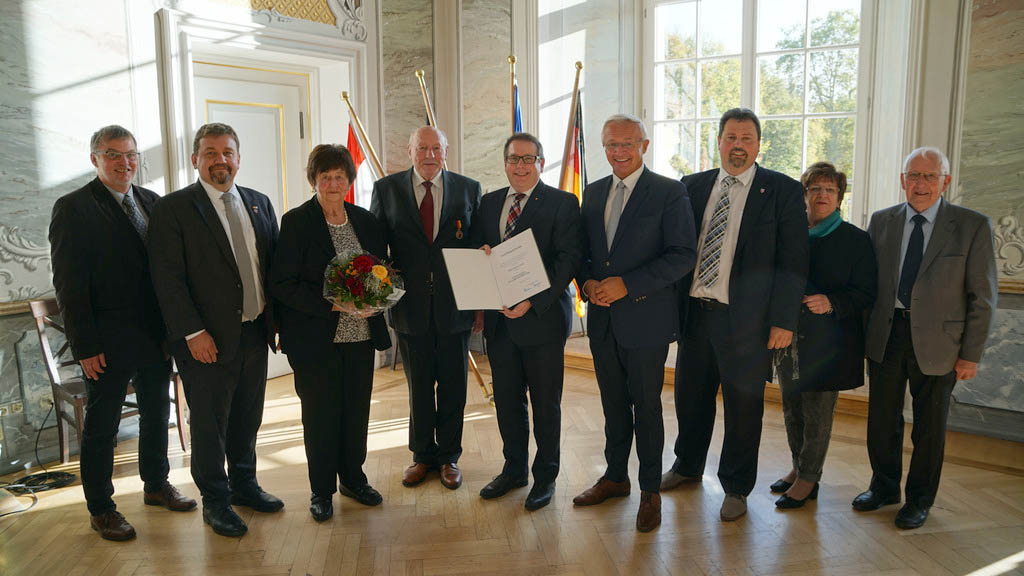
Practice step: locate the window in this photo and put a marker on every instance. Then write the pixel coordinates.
(795, 64)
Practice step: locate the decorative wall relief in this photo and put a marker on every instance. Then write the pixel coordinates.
(316, 16)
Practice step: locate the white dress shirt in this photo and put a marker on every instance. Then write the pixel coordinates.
(510, 199)
(737, 199)
(630, 182)
(908, 227)
(436, 193)
(247, 231)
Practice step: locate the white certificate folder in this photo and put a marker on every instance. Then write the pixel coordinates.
(512, 273)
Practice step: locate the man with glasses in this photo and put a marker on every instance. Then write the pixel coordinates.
(936, 295)
(423, 210)
(525, 343)
(638, 241)
(101, 276)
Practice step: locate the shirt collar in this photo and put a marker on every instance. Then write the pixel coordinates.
(744, 177)
(512, 191)
(417, 179)
(215, 194)
(119, 196)
(929, 214)
(629, 181)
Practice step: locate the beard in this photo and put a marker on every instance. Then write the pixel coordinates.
(220, 174)
(737, 161)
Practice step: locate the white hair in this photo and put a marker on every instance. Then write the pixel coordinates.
(929, 152)
(626, 119)
(440, 135)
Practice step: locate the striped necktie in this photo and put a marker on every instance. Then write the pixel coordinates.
(711, 253)
(513, 216)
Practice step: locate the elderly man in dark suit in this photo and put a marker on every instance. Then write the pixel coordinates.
(741, 302)
(526, 343)
(936, 295)
(423, 210)
(101, 275)
(639, 241)
(211, 244)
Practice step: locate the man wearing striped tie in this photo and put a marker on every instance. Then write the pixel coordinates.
(741, 302)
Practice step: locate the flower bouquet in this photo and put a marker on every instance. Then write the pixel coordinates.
(361, 284)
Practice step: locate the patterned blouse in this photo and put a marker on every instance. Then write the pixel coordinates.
(350, 328)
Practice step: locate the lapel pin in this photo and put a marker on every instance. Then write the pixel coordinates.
(458, 229)
(762, 190)
(256, 209)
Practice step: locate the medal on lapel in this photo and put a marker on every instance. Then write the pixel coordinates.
(458, 229)
(255, 209)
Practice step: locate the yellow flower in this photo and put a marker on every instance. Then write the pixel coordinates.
(380, 271)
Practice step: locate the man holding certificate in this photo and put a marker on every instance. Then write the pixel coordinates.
(639, 240)
(525, 342)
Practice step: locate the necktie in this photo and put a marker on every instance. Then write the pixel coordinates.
(613, 218)
(513, 216)
(912, 261)
(711, 253)
(427, 213)
(250, 307)
(135, 215)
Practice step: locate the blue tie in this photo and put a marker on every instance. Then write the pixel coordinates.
(912, 261)
(134, 215)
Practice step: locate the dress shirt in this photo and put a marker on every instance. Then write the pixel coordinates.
(908, 226)
(436, 193)
(247, 231)
(510, 199)
(737, 199)
(630, 182)
(119, 198)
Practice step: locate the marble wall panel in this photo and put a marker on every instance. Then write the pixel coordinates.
(407, 45)
(1000, 380)
(486, 101)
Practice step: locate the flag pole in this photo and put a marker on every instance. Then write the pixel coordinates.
(431, 121)
(565, 176)
(374, 161)
(512, 89)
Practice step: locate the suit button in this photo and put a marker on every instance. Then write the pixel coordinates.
(239, 286)
(239, 312)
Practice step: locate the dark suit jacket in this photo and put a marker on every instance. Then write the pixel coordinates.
(554, 218)
(305, 248)
(954, 295)
(194, 270)
(769, 268)
(420, 262)
(101, 275)
(654, 246)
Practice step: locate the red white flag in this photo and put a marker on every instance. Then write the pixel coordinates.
(362, 187)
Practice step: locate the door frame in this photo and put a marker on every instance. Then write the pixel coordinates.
(179, 35)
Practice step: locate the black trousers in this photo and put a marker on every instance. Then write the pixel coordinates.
(102, 418)
(630, 381)
(539, 370)
(435, 414)
(226, 404)
(709, 356)
(886, 391)
(335, 399)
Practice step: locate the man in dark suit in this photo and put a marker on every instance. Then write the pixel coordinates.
(526, 343)
(638, 241)
(211, 244)
(101, 275)
(423, 210)
(937, 287)
(741, 302)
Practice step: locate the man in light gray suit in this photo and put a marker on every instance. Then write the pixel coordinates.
(936, 295)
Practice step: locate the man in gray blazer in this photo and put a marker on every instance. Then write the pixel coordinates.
(936, 294)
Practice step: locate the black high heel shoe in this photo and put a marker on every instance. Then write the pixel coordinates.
(786, 503)
(780, 486)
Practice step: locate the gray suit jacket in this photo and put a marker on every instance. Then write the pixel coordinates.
(954, 295)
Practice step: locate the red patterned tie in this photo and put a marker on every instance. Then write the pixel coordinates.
(427, 213)
(513, 216)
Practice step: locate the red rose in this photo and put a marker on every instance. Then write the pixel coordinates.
(355, 286)
(362, 264)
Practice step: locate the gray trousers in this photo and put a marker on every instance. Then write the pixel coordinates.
(808, 417)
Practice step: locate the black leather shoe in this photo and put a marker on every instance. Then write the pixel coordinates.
(870, 500)
(321, 507)
(224, 521)
(540, 495)
(780, 486)
(500, 486)
(911, 516)
(785, 502)
(256, 499)
(364, 494)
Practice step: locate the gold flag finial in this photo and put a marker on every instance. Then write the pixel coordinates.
(512, 59)
(579, 65)
(419, 73)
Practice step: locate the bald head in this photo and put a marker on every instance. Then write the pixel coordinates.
(428, 148)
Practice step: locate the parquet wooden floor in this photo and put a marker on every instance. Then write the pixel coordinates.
(976, 526)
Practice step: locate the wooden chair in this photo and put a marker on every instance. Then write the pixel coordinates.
(69, 394)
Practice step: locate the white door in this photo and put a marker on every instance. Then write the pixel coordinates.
(269, 109)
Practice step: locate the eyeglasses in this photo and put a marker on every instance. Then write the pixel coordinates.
(929, 177)
(114, 155)
(528, 159)
(616, 146)
(813, 190)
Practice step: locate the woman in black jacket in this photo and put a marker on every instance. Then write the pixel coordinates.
(827, 354)
(330, 349)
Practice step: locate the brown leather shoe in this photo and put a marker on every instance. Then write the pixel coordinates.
(169, 497)
(649, 516)
(603, 490)
(112, 526)
(451, 476)
(415, 474)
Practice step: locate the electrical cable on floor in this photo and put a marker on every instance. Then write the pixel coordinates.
(39, 482)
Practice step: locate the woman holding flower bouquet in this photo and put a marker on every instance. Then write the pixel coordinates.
(330, 346)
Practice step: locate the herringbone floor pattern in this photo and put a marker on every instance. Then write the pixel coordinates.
(977, 525)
